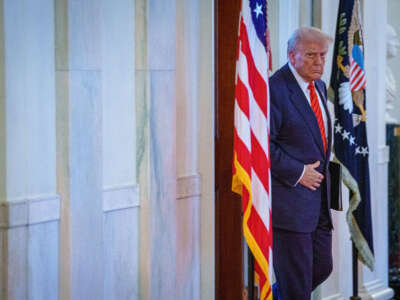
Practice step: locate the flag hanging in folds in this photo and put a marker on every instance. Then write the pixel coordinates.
(251, 162)
(347, 90)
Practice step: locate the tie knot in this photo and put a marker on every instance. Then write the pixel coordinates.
(311, 85)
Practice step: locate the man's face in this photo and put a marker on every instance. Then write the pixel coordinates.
(308, 58)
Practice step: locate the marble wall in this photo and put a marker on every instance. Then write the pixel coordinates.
(167, 89)
(120, 189)
(107, 178)
(156, 148)
(30, 207)
(85, 150)
(188, 183)
(69, 211)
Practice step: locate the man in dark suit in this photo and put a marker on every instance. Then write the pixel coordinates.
(300, 150)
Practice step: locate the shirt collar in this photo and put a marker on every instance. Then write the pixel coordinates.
(302, 83)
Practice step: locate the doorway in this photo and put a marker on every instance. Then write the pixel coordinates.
(228, 206)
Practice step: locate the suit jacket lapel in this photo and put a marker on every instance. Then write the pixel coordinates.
(299, 100)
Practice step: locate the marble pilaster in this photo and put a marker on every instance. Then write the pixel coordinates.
(162, 183)
(29, 210)
(288, 21)
(118, 93)
(121, 249)
(43, 260)
(156, 146)
(85, 150)
(120, 192)
(86, 214)
(188, 237)
(188, 183)
(29, 94)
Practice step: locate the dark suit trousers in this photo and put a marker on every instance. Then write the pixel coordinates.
(302, 260)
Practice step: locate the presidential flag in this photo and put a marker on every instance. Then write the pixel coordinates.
(251, 163)
(347, 90)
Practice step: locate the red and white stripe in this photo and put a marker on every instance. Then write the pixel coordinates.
(251, 146)
(357, 76)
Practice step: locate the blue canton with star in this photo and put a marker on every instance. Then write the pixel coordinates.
(258, 10)
(347, 136)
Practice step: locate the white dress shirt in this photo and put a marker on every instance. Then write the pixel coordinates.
(304, 87)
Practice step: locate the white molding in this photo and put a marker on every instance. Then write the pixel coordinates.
(376, 290)
(338, 296)
(288, 23)
(188, 186)
(383, 154)
(29, 211)
(120, 197)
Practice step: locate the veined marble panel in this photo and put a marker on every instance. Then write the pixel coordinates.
(29, 250)
(84, 34)
(118, 86)
(161, 47)
(121, 254)
(43, 261)
(188, 237)
(29, 94)
(187, 29)
(14, 263)
(188, 248)
(86, 182)
(162, 186)
(142, 125)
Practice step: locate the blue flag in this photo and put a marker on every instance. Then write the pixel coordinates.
(347, 90)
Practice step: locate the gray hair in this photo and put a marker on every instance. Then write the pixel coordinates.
(309, 34)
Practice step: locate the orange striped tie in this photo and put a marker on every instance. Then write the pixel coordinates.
(317, 111)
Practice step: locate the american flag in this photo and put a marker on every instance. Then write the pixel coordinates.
(351, 145)
(357, 73)
(251, 163)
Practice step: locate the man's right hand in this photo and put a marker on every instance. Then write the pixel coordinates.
(311, 178)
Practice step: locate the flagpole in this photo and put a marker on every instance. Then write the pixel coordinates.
(250, 274)
(355, 273)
